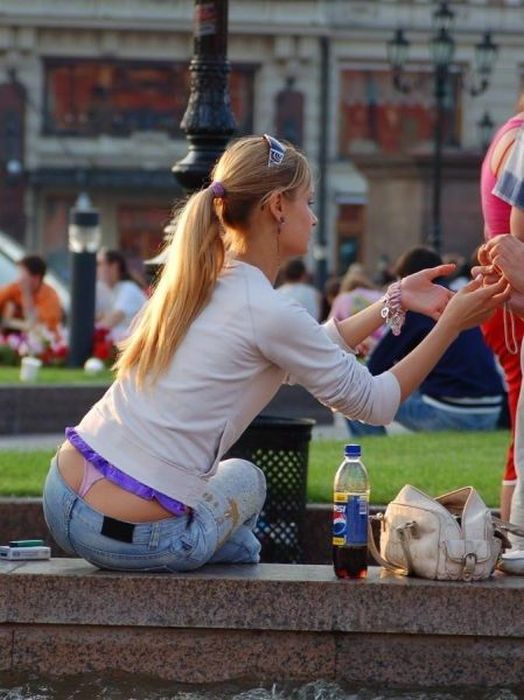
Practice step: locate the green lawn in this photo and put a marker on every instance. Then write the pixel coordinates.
(23, 473)
(434, 462)
(56, 375)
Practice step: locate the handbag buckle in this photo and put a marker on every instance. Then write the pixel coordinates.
(469, 560)
(381, 520)
(410, 527)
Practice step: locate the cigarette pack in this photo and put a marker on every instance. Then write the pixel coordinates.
(21, 553)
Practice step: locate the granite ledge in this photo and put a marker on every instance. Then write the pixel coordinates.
(264, 597)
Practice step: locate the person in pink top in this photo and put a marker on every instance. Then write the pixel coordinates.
(502, 332)
(357, 292)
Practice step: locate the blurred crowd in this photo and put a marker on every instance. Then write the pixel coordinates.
(466, 389)
(33, 321)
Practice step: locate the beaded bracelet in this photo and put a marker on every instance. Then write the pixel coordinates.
(393, 312)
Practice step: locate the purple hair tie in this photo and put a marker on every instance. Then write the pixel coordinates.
(217, 188)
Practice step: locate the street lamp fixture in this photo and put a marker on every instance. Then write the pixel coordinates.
(84, 226)
(442, 47)
(443, 17)
(398, 51)
(485, 126)
(84, 241)
(485, 55)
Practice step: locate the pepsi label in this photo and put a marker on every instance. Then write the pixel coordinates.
(339, 524)
(350, 520)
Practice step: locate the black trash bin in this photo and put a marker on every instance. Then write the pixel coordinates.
(280, 447)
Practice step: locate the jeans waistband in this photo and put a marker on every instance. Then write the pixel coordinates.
(112, 527)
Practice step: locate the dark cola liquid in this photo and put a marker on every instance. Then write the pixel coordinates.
(350, 561)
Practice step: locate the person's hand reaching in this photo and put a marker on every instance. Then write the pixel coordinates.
(421, 294)
(503, 258)
(475, 303)
(506, 255)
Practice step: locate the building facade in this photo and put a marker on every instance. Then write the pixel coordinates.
(92, 93)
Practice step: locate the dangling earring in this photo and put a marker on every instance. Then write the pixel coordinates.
(280, 222)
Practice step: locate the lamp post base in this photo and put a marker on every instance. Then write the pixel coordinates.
(82, 322)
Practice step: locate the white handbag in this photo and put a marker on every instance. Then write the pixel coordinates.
(450, 538)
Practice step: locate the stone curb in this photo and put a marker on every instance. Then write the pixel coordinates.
(272, 622)
(27, 409)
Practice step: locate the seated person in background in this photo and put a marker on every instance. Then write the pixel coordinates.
(127, 298)
(331, 291)
(464, 391)
(29, 301)
(357, 292)
(295, 286)
(462, 272)
(103, 298)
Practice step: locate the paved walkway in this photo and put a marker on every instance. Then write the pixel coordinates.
(30, 442)
(45, 442)
(336, 431)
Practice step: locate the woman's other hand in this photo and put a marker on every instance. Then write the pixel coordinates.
(489, 273)
(483, 255)
(421, 294)
(506, 254)
(475, 303)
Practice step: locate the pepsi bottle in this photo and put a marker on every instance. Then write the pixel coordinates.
(350, 516)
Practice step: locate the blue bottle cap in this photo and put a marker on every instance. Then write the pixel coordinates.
(352, 450)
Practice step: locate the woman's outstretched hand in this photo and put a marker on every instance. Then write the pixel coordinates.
(475, 303)
(465, 309)
(421, 294)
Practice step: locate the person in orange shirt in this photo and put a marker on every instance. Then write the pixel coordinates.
(29, 301)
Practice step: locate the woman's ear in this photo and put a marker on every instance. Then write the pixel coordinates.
(274, 204)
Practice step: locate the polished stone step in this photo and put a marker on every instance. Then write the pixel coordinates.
(271, 621)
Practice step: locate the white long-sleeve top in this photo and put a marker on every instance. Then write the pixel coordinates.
(236, 354)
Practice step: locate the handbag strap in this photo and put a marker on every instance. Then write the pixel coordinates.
(379, 558)
(506, 526)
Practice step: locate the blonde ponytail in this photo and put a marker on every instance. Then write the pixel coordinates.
(211, 221)
(195, 258)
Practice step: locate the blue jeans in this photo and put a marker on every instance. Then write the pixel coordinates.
(416, 414)
(219, 530)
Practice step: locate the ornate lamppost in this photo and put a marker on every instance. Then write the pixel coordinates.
(208, 121)
(84, 241)
(442, 46)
